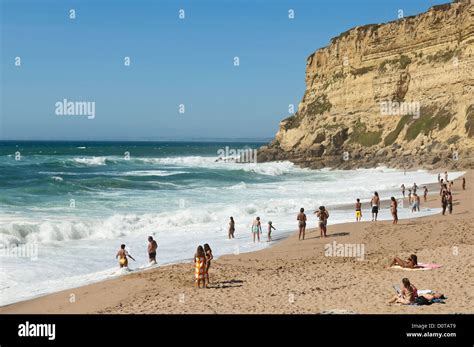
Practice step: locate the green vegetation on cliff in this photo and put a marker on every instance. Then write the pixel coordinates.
(470, 121)
(320, 105)
(393, 135)
(428, 121)
(363, 137)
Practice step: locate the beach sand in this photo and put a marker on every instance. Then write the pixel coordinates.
(296, 277)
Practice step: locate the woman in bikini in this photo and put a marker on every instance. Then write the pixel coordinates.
(407, 295)
(231, 228)
(301, 218)
(200, 267)
(393, 209)
(209, 257)
(410, 263)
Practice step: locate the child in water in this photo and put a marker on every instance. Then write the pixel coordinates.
(270, 227)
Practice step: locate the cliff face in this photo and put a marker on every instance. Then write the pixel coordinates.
(399, 94)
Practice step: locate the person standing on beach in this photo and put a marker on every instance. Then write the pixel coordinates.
(425, 193)
(413, 205)
(301, 218)
(449, 197)
(415, 187)
(403, 190)
(209, 257)
(358, 207)
(441, 185)
(450, 186)
(417, 202)
(270, 227)
(393, 209)
(439, 177)
(444, 202)
(375, 203)
(122, 254)
(446, 176)
(200, 267)
(256, 229)
(152, 246)
(463, 183)
(231, 228)
(409, 196)
(323, 216)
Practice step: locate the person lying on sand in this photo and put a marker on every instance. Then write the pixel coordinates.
(433, 296)
(270, 227)
(152, 246)
(122, 254)
(407, 294)
(200, 267)
(410, 263)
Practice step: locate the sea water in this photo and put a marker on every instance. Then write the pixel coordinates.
(72, 204)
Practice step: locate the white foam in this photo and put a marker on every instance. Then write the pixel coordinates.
(91, 161)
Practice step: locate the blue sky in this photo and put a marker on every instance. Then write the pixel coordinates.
(173, 62)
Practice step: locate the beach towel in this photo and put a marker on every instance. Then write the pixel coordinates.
(423, 266)
(429, 266)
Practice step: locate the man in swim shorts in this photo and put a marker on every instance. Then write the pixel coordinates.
(358, 207)
(152, 246)
(122, 254)
(375, 202)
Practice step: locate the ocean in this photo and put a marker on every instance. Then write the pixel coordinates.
(65, 207)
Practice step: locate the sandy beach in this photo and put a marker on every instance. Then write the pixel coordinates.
(297, 277)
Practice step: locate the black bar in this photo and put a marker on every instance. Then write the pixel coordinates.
(335, 330)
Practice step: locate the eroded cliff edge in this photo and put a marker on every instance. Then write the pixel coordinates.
(348, 116)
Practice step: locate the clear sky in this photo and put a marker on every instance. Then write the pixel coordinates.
(173, 61)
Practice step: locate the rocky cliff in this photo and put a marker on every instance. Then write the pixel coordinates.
(399, 94)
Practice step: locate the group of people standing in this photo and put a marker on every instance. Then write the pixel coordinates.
(322, 214)
(257, 229)
(414, 199)
(203, 255)
(202, 263)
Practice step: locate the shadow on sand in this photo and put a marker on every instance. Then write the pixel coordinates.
(225, 284)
